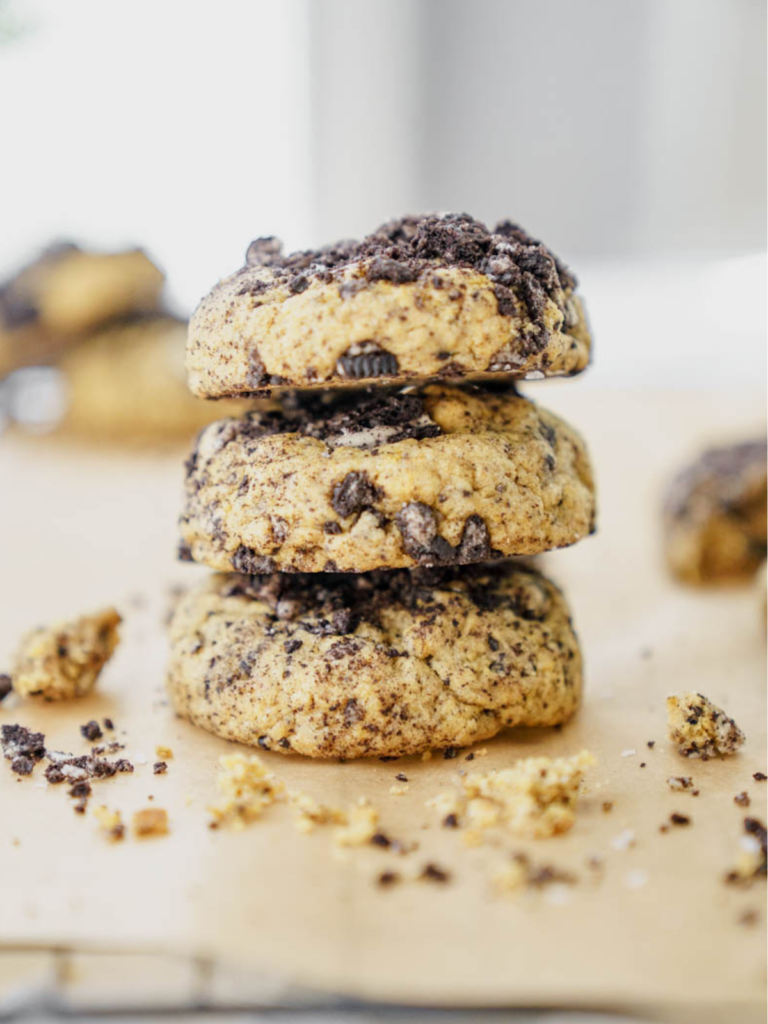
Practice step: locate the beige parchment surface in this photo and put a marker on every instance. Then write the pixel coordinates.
(655, 928)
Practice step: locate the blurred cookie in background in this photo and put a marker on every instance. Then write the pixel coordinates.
(715, 515)
(67, 292)
(127, 383)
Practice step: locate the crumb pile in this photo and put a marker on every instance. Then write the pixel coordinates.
(535, 798)
(390, 437)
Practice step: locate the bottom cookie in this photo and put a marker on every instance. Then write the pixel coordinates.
(375, 664)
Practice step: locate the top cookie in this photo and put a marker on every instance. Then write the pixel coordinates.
(422, 297)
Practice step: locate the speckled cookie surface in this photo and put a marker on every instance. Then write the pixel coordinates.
(67, 291)
(422, 297)
(126, 384)
(715, 515)
(382, 664)
(357, 482)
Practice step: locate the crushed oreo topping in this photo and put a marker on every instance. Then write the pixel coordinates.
(525, 273)
(334, 603)
(351, 419)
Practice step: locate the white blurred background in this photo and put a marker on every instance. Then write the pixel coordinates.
(628, 134)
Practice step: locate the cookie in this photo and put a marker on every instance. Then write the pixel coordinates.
(381, 664)
(441, 476)
(715, 515)
(126, 383)
(421, 298)
(68, 291)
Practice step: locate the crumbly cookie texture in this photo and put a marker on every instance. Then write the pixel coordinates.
(365, 481)
(535, 798)
(126, 384)
(64, 661)
(422, 297)
(246, 789)
(67, 291)
(715, 515)
(380, 664)
(701, 729)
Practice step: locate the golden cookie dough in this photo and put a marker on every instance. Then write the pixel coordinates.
(422, 297)
(64, 660)
(715, 516)
(66, 292)
(355, 482)
(381, 664)
(126, 383)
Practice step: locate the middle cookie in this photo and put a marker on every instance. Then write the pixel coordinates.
(354, 482)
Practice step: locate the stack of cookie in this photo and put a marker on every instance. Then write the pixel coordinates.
(100, 319)
(364, 516)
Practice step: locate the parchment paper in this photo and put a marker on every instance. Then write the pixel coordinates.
(655, 930)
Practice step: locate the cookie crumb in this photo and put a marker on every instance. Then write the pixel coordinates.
(607, 806)
(680, 782)
(91, 731)
(760, 776)
(246, 789)
(434, 873)
(742, 799)
(360, 827)
(159, 768)
(536, 797)
(163, 753)
(18, 741)
(311, 813)
(749, 918)
(679, 819)
(521, 873)
(701, 729)
(401, 777)
(651, 744)
(6, 686)
(151, 821)
(64, 661)
(109, 724)
(753, 859)
(387, 878)
(110, 822)
(625, 840)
